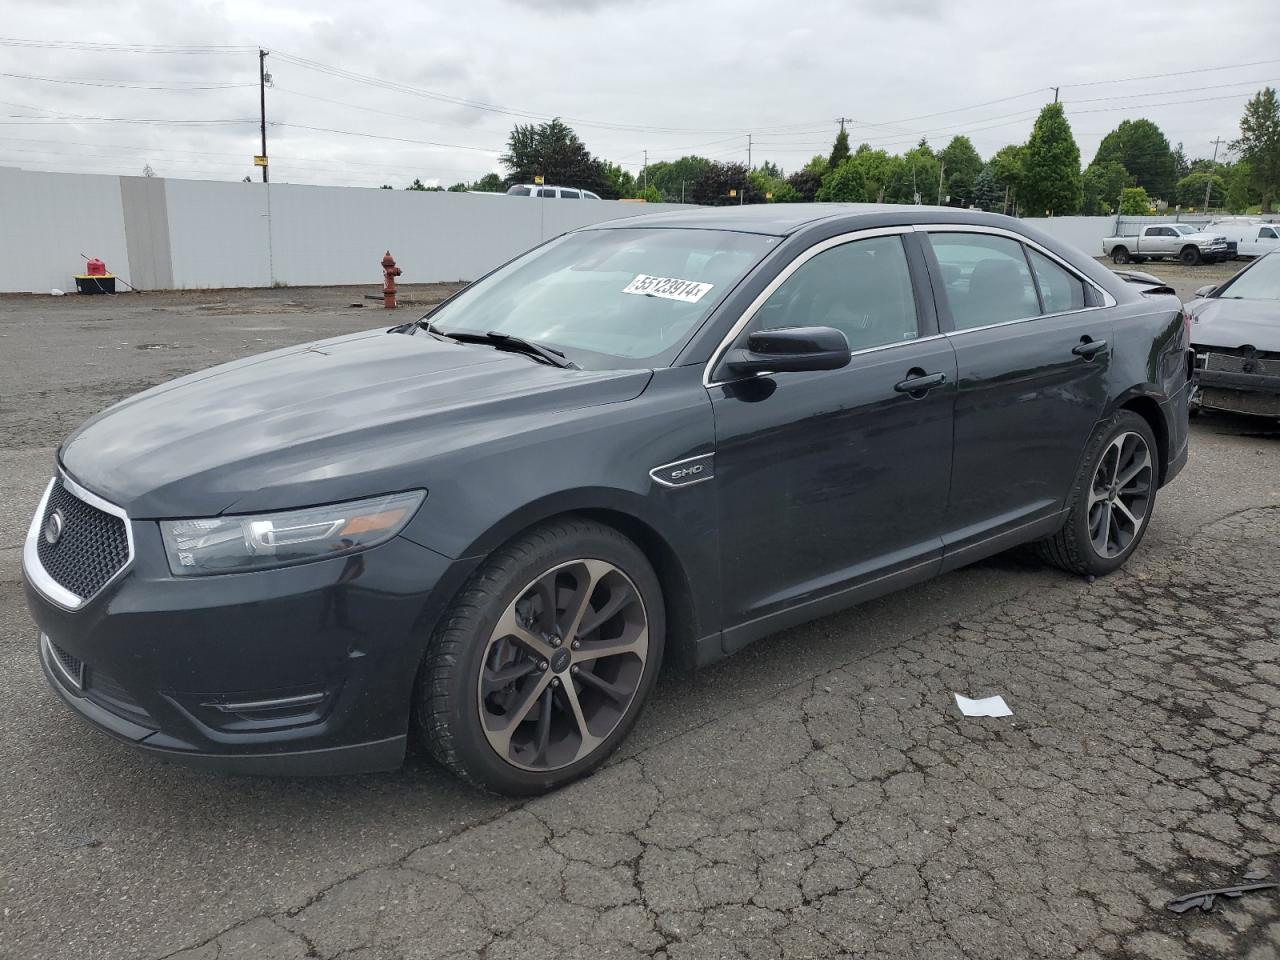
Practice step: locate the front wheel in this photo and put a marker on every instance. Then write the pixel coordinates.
(544, 660)
(1111, 500)
(1190, 256)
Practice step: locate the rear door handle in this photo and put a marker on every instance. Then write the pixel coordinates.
(1089, 348)
(918, 383)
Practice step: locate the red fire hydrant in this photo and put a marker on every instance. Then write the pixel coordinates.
(389, 273)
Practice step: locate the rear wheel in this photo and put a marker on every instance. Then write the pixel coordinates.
(1111, 500)
(1120, 255)
(545, 659)
(1190, 255)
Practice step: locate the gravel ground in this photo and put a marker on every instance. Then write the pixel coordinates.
(817, 796)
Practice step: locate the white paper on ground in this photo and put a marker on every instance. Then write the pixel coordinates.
(986, 707)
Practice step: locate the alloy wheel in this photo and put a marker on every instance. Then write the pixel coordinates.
(1120, 495)
(562, 665)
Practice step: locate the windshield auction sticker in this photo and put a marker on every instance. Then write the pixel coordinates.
(669, 288)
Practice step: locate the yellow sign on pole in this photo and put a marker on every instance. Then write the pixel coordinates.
(733, 193)
(538, 179)
(259, 161)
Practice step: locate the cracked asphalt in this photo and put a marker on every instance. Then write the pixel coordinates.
(817, 796)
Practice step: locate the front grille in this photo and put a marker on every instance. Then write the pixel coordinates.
(92, 548)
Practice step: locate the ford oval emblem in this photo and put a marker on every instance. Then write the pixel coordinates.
(53, 527)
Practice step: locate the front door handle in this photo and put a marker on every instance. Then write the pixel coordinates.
(918, 383)
(1089, 348)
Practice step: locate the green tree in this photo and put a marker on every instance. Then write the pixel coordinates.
(839, 150)
(553, 150)
(1190, 190)
(1051, 173)
(961, 165)
(771, 185)
(1101, 185)
(880, 172)
(986, 194)
(1259, 144)
(1134, 202)
(723, 184)
(386, 186)
(650, 194)
(1007, 168)
(620, 182)
(416, 185)
(1239, 188)
(489, 183)
(675, 179)
(1143, 150)
(919, 182)
(805, 184)
(844, 184)
(459, 188)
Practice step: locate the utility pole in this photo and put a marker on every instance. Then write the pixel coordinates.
(1208, 180)
(941, 168)
(644, 172)
(742, 197)
(262, 104)
(842, 121)
(1055, 94)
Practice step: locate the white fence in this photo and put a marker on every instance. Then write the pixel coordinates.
(184, 234)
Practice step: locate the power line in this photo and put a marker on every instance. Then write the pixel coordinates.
(207, 48)
(176, 85)
(1179, 73)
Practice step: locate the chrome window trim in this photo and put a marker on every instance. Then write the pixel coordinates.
(39, 578)
(796, 263)
(1107, 299)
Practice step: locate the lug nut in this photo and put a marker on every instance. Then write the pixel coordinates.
(555, 681)
(574, 669)
(542, 665)
(576, 644)
(556, 641)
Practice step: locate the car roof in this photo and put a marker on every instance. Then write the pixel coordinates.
(783, 219)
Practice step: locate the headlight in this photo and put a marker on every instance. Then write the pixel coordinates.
(239, 544)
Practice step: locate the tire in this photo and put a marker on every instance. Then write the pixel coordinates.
(1190, 256)
(497, 654)
(1082, 546)
(1120, 255)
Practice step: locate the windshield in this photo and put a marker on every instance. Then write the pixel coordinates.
(1183, 229)
(1259, 281)
(608, 298)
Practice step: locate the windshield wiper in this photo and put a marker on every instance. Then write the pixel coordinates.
(510, 342)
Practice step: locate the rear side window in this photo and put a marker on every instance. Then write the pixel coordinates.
(985, 279)
(1059, 288)
(547, 192)
(518, 192)
(862, 288)
(569, 195)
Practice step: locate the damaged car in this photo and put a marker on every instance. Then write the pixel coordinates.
(1235, 332)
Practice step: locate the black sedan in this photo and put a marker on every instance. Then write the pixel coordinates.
(1235, 331)
(663, 437)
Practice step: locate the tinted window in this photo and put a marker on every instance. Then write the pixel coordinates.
(588, 195)
(579, 293)
(1059, 289)
(569, 195)
(547, 192)
(1266, 233)
(861, 288)
(518, 192)
(985, 278)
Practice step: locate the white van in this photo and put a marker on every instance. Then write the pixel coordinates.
(554, 193)
(1252, 236)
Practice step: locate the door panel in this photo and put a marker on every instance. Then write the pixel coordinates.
(1030, 389)
(831, 479)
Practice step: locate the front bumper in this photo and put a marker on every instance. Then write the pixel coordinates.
(299, 670)
(1237, 384)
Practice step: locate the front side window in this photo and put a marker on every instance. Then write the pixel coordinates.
(1060, 289)
(985, 278)
(569, 195)
(612, 298)
(1266, 233)
(862, 288)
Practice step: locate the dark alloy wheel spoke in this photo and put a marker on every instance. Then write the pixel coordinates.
(562, 665)
(1120, 494)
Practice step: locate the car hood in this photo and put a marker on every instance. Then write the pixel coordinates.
(340, 419)
(1222, 322)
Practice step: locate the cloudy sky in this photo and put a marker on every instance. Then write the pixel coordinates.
(372, 93)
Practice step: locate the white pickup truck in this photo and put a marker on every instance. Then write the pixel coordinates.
(1177, 241)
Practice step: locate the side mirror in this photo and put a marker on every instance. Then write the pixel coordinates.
(1206, 290)
(792, 349)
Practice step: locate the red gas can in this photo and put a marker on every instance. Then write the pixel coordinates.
(96, 268)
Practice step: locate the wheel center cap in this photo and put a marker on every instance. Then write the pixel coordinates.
(560, 660)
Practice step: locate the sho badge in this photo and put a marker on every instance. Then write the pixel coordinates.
(684, 473)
